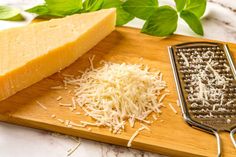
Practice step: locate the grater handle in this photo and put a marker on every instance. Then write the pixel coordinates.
(219, 147)
(232, 132)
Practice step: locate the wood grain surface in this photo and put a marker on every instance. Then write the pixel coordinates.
(169, 135)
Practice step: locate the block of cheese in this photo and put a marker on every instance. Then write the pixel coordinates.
(29, 54)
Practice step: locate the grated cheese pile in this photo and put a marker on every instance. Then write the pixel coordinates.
(116, 93)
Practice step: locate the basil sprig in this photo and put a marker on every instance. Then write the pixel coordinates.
(159, 20)
(163, 20)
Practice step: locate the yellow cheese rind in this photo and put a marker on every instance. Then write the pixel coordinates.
(31, 53)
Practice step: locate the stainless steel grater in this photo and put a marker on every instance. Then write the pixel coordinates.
(205, 78)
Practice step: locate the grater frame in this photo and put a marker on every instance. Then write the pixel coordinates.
(180, 92)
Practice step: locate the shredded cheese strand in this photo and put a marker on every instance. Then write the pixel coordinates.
(41, 105)
(72, 150)
(172, 108)
(134, 135)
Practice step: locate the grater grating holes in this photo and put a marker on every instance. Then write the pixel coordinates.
(194, 60)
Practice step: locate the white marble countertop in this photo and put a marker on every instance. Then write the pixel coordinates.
(219, 23)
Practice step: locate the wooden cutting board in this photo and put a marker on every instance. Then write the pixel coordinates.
(170, 135)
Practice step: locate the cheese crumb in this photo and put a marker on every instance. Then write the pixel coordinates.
(53, 116)
(177, 103)
(185, 59)
(58, 87)
(78, 113)
(162, 97)
(77, 125)
(146, 127)
(172, 108)
(65, 105)
(89, 123)
(59, 98)
(41, 105)
(154, 117)
(73, 103)
(60, 120)
(71, 109)
(67, 122)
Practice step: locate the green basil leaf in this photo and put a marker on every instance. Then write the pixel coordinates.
(64, 7)
(140, 8)
(92, 5)
(162, 22)
(43, 12)
(10, 13)
(39, 9)
(197, 7)
(193, 21)
(122, 17)
(180, 4)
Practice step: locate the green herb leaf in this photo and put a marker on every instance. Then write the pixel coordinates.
(43, 12)
(10, 13)
(64, 7)
(162, 22)
(57, 8)
(193, 21)
(122, 17)
(92, 5)
(197, 7)
(180, 4)
(39, 9)
(141, 8)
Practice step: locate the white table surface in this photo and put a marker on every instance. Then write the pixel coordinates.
(219, 23)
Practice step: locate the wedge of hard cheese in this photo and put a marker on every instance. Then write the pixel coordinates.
(29, 54)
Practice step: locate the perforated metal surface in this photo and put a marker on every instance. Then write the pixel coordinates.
(207, 79)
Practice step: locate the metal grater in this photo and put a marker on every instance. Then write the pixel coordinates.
(205, 78)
